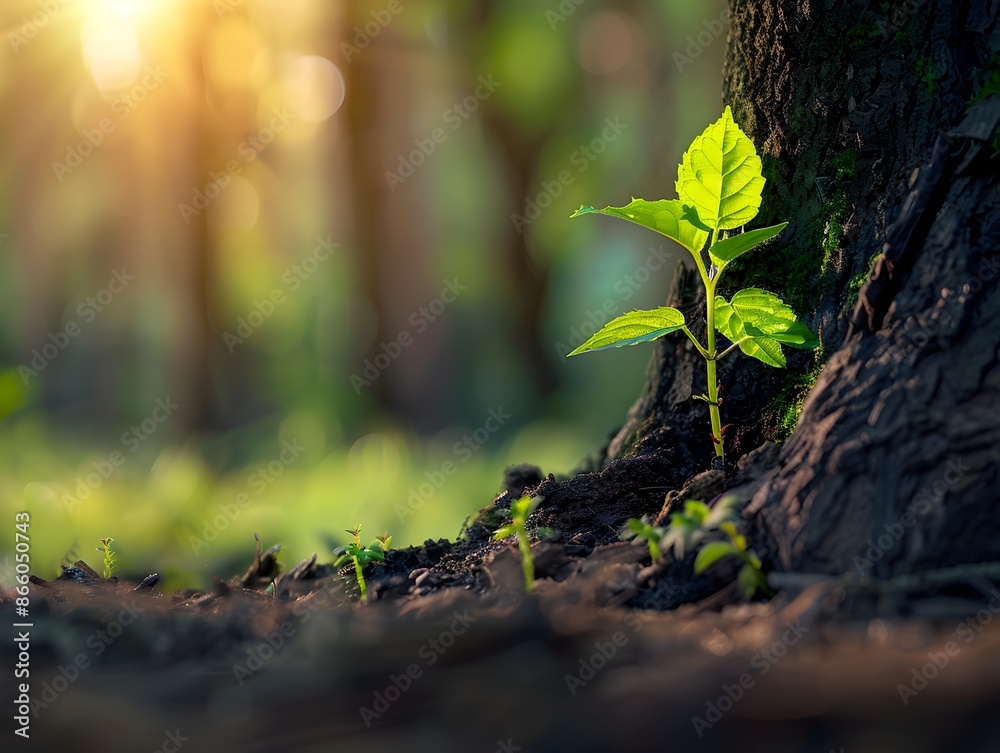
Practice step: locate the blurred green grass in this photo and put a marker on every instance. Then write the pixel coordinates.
(163, 507)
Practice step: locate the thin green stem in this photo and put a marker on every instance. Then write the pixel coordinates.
(654, 550)
(526, 562)
(728, 350)
(686, 331)
(361, 579)
(713, 385)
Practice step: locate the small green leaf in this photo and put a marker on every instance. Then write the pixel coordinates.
(712, 553)
(504, 531)
(633, 328)
(721, 175)
(664, 216)
(749, 580)
(696, 511)
(636, 525)
(726, 250)
(759, 321)
(723, 510)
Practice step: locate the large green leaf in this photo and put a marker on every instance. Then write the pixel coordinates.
(721, 175)
(633, 328)
(664, 216)
(726, 250)
(759, 321)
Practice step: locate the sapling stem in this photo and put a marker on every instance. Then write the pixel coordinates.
(710, 358)
(527, 564)
(361, 579)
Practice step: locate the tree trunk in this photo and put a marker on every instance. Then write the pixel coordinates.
(870, 149)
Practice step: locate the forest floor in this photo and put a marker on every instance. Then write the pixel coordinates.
(608, 652)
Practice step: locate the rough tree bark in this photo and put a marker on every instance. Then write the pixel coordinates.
(871, 149)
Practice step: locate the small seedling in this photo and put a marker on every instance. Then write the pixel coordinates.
(362, 556)
(110, 563)
(719, 182)
(694, 524)
(696, 521)
(519, 512)
(751, 577)
(640, 528)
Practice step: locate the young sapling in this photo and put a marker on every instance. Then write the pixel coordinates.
(362, 556)
(719, 182)
(519, 512)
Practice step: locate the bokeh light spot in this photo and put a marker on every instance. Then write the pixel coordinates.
(375, 456)
(313, 85)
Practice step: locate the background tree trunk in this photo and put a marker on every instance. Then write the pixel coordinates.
(874, 155)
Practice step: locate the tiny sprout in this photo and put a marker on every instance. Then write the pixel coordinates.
(110, 563)
(696, 523)
(640, 528)
(519, 512)
(362, 556)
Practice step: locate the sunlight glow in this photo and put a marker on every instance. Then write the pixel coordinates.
(110, 40)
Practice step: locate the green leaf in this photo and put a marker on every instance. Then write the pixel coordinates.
(712, 553)
(750, 579)
(759, 321)
(725, 509)
(504, 531)
(696, 511)
(726, 250)
(633, 328)
(664, 216)
(636, 526)
(721, 175)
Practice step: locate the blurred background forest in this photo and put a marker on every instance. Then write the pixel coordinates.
(287, 266)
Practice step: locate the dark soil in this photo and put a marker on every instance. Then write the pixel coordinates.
(609, 652)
